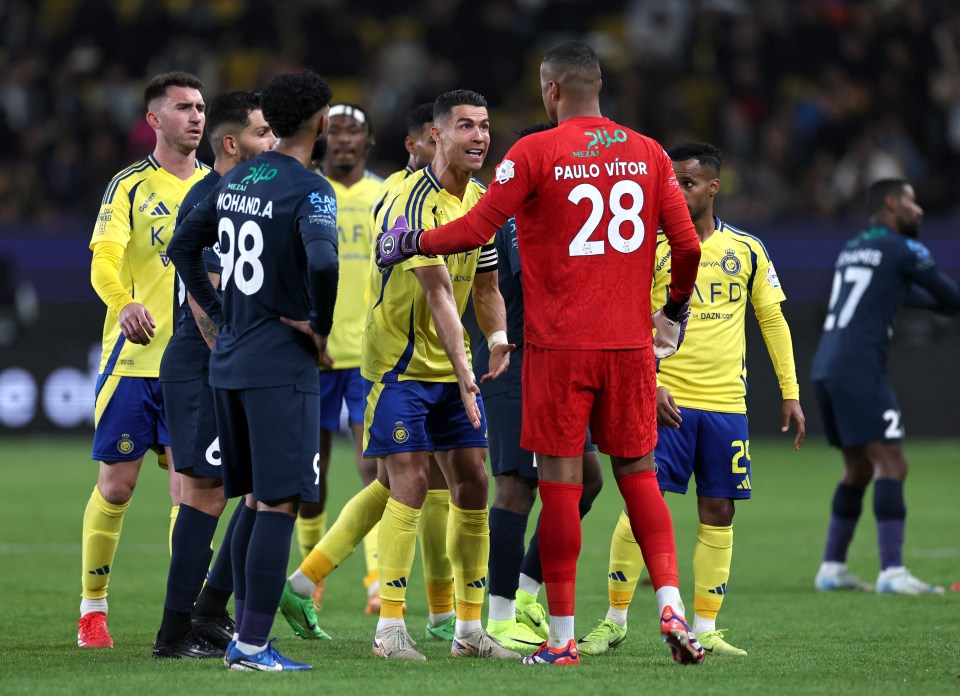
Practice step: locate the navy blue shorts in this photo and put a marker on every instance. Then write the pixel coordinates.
(858, 411)
(193, 428)
(129, 418)
(714, 447)
(336, 388)
(504, 420)
(271, 443)
(414, 416)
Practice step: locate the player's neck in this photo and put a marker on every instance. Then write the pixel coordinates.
(180, 164)
(578, 109)
(345, 178)
(300, 149)
(705, 226)
(453, 179)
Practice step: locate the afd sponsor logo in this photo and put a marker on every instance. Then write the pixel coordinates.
(399, 582)
(479, 584)
(617, 576)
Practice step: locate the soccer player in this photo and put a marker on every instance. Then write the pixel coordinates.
(421, 393)
(420, 146)
(701, 408)
(880, 269)
(588, 196)
(131, 273)
(276, 223)
(349, 141)
(237, 132)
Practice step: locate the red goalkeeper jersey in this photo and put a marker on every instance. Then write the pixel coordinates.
(588, 197)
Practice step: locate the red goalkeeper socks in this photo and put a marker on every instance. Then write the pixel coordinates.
(560, 543)
(652, 526)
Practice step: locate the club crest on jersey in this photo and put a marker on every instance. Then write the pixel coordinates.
(772, 277)
(400, 433)
(730, 263)
(504, 172)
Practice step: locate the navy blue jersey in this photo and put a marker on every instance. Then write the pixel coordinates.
(276, 224)
(187, 356)
(878, 271)
(508, 278)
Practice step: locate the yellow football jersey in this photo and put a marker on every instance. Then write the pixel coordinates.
(354, 227)
(390, 183)
(138, 211)
(709, 371)
(400, 341)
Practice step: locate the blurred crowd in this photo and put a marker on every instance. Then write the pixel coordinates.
(810, 100)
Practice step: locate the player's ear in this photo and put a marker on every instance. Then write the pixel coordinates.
(435, 134)
(323, 123)
(153, 120)
(229, 143)
(408, 144)
(714, 187)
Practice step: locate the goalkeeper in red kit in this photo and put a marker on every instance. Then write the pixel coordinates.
(588, 197)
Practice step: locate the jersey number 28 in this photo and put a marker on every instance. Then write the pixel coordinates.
(240, 255)
(580, 246)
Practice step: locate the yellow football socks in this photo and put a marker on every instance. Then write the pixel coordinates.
(358, 516)
(397, 543)
(432, 533)
(626, 564)
(102, 523)
(370, 555)
(310, 531)
(711, 569)
(174, 512)
(468, 544)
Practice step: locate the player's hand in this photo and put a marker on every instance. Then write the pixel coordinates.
(468, 394)
(670, 321)
(324, 361)
(137, 323)
(499, 361)
(668, 413)
(792, 412)
(397, 244)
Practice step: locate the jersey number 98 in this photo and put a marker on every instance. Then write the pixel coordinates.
(240, 255)
(580, 246)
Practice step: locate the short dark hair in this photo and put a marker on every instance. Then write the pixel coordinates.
(231, 108)
(706, 154)
(157, 87)
(418, 117)
(443, 106)
(573, 54)
(536, 128)
(879, 190)
(291, 99)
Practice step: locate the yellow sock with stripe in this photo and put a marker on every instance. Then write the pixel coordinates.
(711, 570)
(398, 544)
(468, 544)
(174, 513)
(358, 516)
(626, 565)
(310, 531)
(102, 523)
(437, 570)
(370, 555)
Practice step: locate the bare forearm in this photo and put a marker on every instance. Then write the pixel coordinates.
(449, 331)
(490, 310)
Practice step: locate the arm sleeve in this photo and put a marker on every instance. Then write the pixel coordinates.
(105, 275)
(507, 191)
(317, 224)
(196, 231)
(681, 235)
(776, 334)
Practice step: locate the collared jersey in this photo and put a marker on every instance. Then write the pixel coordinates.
(354, 227)
(400, 341)
(875, 274)
(390, 183)
(138, 211)
(709, 371)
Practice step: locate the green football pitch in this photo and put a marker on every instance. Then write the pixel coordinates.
(798, 641)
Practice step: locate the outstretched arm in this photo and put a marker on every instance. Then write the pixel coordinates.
(492, 318)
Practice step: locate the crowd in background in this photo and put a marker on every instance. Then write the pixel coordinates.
(810, 100)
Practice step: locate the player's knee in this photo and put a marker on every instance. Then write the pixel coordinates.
(470, 490)
(592, 484)
(116, 492)
(716, 512)
(514, 494)
(309, 511)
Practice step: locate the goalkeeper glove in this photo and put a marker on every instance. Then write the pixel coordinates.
(397, 244)
(670, 321)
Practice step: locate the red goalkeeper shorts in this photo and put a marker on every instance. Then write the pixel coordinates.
(614, 391)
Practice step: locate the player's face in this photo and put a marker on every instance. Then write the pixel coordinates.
(347, 143)
(908, 213)
(464, 137)
(423, 147)
(256, 137)
(698, 184)
(181, 115)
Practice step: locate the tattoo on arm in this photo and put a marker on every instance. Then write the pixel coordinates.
(208, 329)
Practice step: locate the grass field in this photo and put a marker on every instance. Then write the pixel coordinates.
(799, 641)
